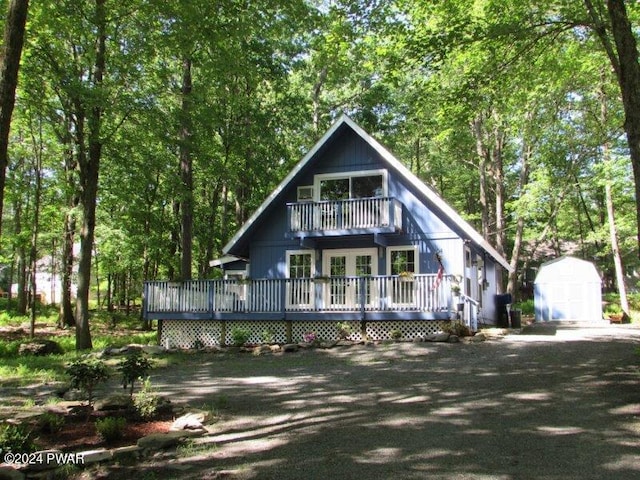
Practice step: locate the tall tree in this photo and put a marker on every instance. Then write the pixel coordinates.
(12, 50)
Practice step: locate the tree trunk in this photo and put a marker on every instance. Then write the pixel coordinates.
(483, 159)
(21, 266)
(624, 61)
(89, 171)
(12, 51)
(617, 259)
(186, 173)
(497, 166)
(517, 241)
(33, 253)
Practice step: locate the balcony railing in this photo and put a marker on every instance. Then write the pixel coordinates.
(345, 215)
(418, 293)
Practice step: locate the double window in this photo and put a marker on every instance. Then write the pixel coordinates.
(340, 186)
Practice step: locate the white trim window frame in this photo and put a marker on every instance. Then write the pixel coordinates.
(300, 290)
(317, 181)
(402, 289)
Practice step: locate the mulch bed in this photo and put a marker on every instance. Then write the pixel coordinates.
(80, 434)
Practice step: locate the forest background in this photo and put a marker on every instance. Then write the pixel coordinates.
(147, 131)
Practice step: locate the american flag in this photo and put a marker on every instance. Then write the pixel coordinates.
(436, 284)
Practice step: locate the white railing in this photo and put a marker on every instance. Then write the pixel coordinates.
(361, 213)
(422, 293)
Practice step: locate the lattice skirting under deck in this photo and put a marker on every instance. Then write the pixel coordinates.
(198, 333)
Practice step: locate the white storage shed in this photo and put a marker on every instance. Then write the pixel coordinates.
(568, 288)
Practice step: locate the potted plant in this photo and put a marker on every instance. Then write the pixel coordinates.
(406, 276)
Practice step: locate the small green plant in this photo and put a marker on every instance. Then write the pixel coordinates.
(395, 334)
(146, 401)
(111, 428)
(267, 337)
(457, 328)
(133, 368)
(16, 439)
(240, 336)
(86, 374)
(344, 330)
(50, 423)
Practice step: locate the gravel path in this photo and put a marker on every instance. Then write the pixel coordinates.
(556, 403)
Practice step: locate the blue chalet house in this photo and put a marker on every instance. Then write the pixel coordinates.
(350, 235)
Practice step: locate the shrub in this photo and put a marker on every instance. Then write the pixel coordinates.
(310, 337)
(344, 330)
(267, 337)
(395, 334)
(86, 374)
(457, 328)
(134, 367)
(111, 428)
(50, 423)
(16, 439)
(145, 401)
(240, 336)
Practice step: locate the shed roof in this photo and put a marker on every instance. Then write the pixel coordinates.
(566, 267)
(428, 193)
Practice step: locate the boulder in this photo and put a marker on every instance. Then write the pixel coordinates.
(438, 337)
(8, 472)
(454, 339)
(40, 348)
(290, 347)
(191, 421)
(158, 441)
(478, 337)
(112, 402)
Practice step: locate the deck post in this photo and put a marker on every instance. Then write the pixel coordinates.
(283, 298)
(210, 299)
(363, 296)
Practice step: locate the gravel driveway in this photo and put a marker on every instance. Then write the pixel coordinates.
(556, 403)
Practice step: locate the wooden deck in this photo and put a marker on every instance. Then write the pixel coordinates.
(418, 297)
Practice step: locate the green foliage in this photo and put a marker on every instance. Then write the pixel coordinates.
(86, 374)
(527, 307)
(111, 428)
(457, 328)
(267, 337)
(146, 400)
(240, 336)
(16, 438)
(135, 366)
(395, 334)
(344, 330)
(50, 423)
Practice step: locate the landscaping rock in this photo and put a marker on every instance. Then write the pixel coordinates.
(477, 338)
(328, 344)
(10, 473)
(131, 451)
(290, 347)
(158, 441)
(438, 337)
(95, 456)
(453, 339)
(275, 348)
(112, 402)
(190, 421)
(153, 349)
(46, 460)
(418, 339)
(40, 348)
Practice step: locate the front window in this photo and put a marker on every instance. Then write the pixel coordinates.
(300, 269)
(365, 184)
(403, 263)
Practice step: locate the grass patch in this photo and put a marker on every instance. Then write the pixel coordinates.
(16, 370)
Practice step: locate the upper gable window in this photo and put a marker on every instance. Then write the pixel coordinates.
(364, 184)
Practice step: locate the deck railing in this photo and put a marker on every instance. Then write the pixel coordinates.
(353, 214)
(417, 293)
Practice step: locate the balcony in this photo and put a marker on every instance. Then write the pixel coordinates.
(344, 217)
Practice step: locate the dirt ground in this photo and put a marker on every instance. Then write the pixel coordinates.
(556, 402)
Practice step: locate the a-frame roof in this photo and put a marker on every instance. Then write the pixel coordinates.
(430, 195)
